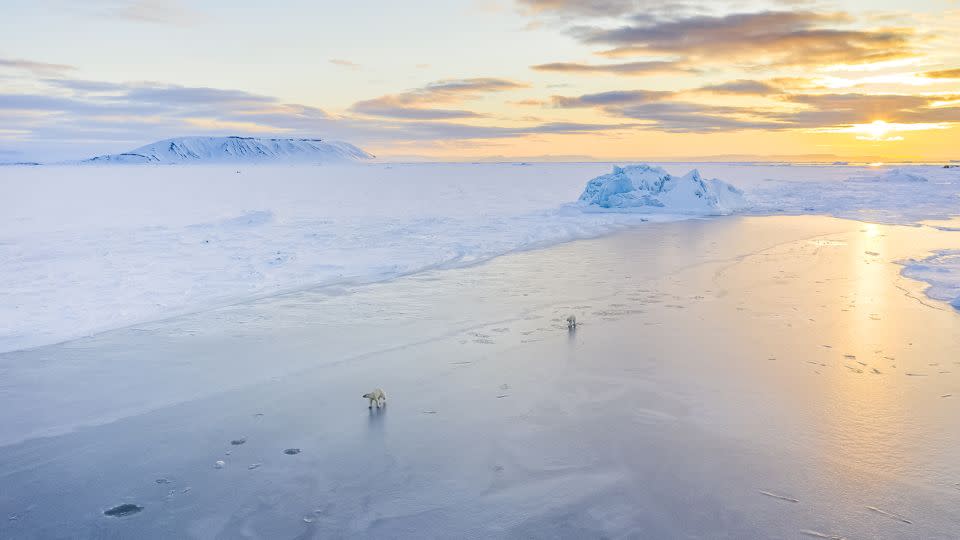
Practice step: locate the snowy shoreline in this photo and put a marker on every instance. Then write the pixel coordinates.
(119, 246)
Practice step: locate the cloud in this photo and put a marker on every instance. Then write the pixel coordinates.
(419, 102)
(627, 68)
(662, 111)
(344, 63)
(684, 117)
(741, 87)
(37, 68)
(392, 107)
(81, 85)
(170, 12)
(580, 7)
(181, 95)
(943, 74)
(530, 102)
(824, 110)
(796, 38)
(606, 99)
(81, 117)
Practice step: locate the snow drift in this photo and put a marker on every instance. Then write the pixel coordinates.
(237, 149)
(653, 189)
(897, 175)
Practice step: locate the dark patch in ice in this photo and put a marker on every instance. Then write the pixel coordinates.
(291, 451)
(123, 510)
(238, 442)
(162, 481)
(780, 497)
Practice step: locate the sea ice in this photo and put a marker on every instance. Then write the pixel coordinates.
(117, 246)
(942, 271)
(893, 175)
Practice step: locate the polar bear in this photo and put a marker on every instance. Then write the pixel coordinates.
(377, 397)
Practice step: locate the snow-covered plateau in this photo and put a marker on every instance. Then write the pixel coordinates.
(235, 150)
(87, 249)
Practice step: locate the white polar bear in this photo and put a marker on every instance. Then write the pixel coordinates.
(376, 397)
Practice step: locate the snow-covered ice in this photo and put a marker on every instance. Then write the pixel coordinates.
(893, 175)
(86, 249)
(941, 271)
(651, 189)
(706, 392)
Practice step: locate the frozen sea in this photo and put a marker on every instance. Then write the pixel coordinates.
(88, 249)
(758, 376)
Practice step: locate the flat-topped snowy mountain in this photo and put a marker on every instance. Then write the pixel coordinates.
(237, 149)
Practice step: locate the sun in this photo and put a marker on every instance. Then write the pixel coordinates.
(877, 130)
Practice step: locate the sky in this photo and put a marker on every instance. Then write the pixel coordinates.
(488, 79)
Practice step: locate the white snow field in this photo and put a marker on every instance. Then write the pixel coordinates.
(185, 150)
(87, 249)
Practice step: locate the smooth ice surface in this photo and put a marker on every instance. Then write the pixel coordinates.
(652, 189)
(87, 249)
(200, 150)
(738, 377)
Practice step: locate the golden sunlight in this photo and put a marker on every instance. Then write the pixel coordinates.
(881, 130)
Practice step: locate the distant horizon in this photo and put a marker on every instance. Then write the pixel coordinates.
(815, 159)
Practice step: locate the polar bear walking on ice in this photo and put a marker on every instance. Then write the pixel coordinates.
(377, 397)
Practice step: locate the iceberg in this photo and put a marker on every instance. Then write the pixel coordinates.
(652, 189)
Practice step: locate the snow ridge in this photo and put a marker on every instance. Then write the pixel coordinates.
(236, 149)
